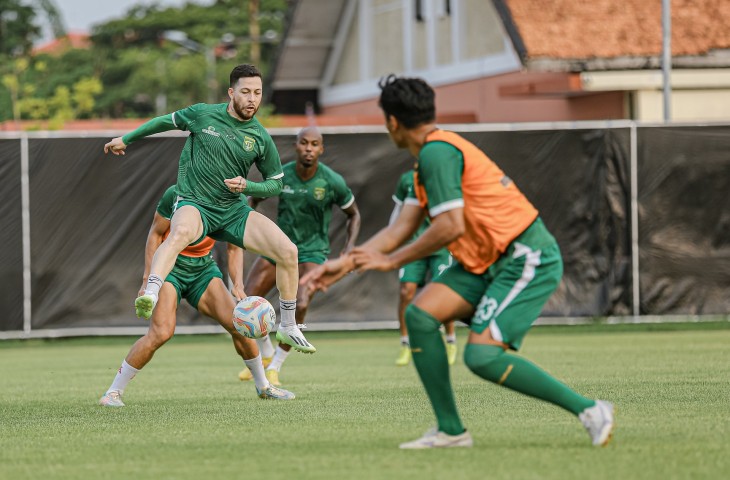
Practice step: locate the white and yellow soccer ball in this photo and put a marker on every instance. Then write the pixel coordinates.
(254, 317)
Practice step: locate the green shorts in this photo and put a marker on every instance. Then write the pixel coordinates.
(191, 276)
(305, 257)
(226, 224)
(510, 295)
(415, 272)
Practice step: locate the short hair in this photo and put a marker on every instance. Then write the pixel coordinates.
(409, 100)
(243, 71)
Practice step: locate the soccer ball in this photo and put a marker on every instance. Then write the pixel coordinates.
(254, 317)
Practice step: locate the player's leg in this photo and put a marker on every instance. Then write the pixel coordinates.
(186, 226)
(262, 236)
(217, 303)
(411, 277)
(161, 329)
(435, 304)
(405, 297)
(438, 263)
(521, 282)
(303, 299)
(260, 280)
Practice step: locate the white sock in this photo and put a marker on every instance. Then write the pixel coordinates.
(451, 338)
(154, 284)
(124, 375)
(287, 309)
(265, 346)
(278, 360)
(257, 370)
(404, 340)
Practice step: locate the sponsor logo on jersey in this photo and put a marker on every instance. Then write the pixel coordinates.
(319, 193)
(287, 189)
(211, 131)
(248, 143)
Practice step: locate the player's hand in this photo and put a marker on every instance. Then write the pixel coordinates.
(116, 146)
(366, 259)
(235, 185)
(238, 292)
(323, 276)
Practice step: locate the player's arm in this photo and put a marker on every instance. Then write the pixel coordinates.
(235, 270)
(396, 234)
(155, 236)
(160, 124)
(444, 229)
(386, 240)
(353, 227)
(269, 164)
(440, 170)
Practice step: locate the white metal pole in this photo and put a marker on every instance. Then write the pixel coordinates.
(667, 58)
(636, 292)
(25, 208)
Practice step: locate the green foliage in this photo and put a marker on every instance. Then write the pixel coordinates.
(17, 28)
(138, 74)
(140, 66)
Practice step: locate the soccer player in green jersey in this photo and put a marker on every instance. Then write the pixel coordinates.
(310, 191)
(413, 276)
(225, 140)
(507, 264)
(197, 278)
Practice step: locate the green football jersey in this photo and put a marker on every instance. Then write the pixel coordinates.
(305, 207)
(404, 195)
(220, 147)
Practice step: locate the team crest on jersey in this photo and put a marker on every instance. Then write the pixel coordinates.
(319, 193)
(248, 143)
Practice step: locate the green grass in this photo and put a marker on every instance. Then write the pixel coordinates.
(188, 417)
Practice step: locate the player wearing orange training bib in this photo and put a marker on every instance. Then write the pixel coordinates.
(507, 266)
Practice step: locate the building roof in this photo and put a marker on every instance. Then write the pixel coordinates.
(610, 33)
(60, 45)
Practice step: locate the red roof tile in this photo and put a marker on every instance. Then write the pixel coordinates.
(576, 29)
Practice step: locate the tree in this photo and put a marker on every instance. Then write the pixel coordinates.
(141, 67)
(17, 28)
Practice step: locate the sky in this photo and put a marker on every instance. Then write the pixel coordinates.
(80, 15)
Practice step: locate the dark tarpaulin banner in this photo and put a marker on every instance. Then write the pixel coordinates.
(684, 228)
(11, 237)
(579, 181)
(90, 214)
(90, 217)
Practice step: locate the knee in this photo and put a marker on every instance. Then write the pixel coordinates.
(288, 254)
(159, 336)
(482, 360)
(418, 320)
(407, 292)
(182, 234)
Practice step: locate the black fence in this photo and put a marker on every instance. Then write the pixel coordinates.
(73, 234)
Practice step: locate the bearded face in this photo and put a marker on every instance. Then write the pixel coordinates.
(246, 97)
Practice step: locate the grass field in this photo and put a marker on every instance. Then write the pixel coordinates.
(188, 416)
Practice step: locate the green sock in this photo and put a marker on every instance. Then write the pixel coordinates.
(494, 364)
(429, 356)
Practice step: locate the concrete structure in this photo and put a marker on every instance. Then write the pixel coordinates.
(508, 60)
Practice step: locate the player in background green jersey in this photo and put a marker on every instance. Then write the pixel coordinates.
(412, 276)
(310, 191)
(225, 140)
